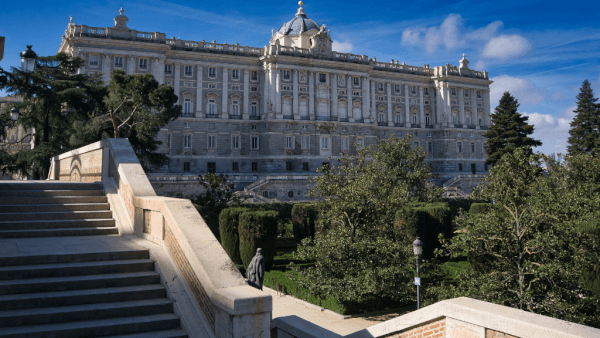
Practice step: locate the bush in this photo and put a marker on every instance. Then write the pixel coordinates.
(229, 221)
(258, 229)
(426, 221)
(303, 220)
(479, 208)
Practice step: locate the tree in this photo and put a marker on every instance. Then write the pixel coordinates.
(585, 127)
(525, 251)
(54, 98)
(218, 194)
(359, 255)
(135, 108)
(509, 130)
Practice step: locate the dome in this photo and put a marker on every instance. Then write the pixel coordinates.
(298, 25)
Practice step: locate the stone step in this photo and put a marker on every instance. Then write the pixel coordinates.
(75, 269)
(58, 215)
(52, 200)
(94, 328)
(81, 297)
(63, 314)
(33, 285)
(75, 258)
(45, 185)
(26, 208)
(50, 193)
(155, 334)
(72, 223)
(60, 232)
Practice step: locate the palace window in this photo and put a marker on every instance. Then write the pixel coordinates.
(323, 78)
(212, 72)
(187, 141)
(414, 100)
(186, 166)
(118, 61)
(188, 70)
(288, 126)
(286, 75)
(235, 74)
(459, 147)
(212, 142)
(211, 86)
(341, 92)
(254, 142)
(458, 134)
(187, 106)
(254, 166)
(414, 119)
(143, 63)
(430, 147)
(460, 167)
(380, 87)
(288, 166)
(211, 167)
(290, 193)
(253, 127)
(253, 109)
(356, 93)
(397, 88)
(426, 92)
(479, 94)
(235, 87)
(94, 60)
(186, 125)
(398, 118)
(235, 142)
(254, 76)
(427, 120)
(284, 87)
(305, 142)
(453, 91)
(345, 143)
(211, 107)
(472, 148)
(467, 93)
(413, 89)
(167, 69)
(305, 166)
(235, 107)
(289, 142)
(254, 89)
(380, 98)
(360, 142)
(381, 117)
(356, 81)
(235, 167)
(416, 144)
(325, 140)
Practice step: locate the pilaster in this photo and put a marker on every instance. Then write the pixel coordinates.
(177, 80)
(295, 103)
(311, 95)
(421, 108)
(439, 105)
(390, 119)
(199, 74)
(106, 68)
(131, 66)
(366, 99)
(373, 109)
(225, 96)
(279, 114)
(160, 71)
(473, 107)
(461, 107)
(486, 108)
(246, 111)
(407, 121)
(349, 95)
(334, 96)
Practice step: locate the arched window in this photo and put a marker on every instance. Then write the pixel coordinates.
(290, 193)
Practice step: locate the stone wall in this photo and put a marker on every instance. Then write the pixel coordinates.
(436, 329)
(86, 167)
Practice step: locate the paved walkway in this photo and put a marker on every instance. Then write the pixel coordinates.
(287, 306)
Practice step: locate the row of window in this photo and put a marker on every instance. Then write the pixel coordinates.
(211, 167)
(211, 142)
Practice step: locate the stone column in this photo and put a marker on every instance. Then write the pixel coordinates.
(390, 119)
(272, 92)
(160, 71)
(155, 69)
(311, 95)
(461, 107)
(131, 66)
(487, 114)
(246, 111)
(225, 95)
(373, 111)
(366, 99)
(447, 104)
(473, 107)
(407, 121)
(334, 96)
(265, 92)
(279, 114)
(421, 108)
(349, 96)
(106, 68)
(295, 103)
(199, 74)
(176, 81)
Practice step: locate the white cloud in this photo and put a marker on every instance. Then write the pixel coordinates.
(505, 47)
(552, 131)
(596, 86)
(412, 36)
(569, 113)
(556, 96)
(485, 33)
(522, 89)
(342, 47)
(479, 65)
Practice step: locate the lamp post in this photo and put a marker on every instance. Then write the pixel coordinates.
(418, 249)
(28, 59)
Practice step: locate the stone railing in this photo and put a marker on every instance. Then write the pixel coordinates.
(403, 68)
(459, 317)
(203, 46)
(229, 306)
(112, 33)
(453, 70)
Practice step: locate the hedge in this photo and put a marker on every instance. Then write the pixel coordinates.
(426, 221)
(283, 208)
(479, 208)
(303, 220)
(229, 221)
(258, 229)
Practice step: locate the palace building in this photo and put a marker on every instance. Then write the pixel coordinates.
(269, 117)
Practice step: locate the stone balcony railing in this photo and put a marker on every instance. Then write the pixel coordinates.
(112, 33)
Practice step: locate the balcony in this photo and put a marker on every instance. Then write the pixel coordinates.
(344, 119)
(458, 126)
(382, 124)
(212, 116)
(470, 127)
(254, 117)
(326, 118)
(288, 117)
(415, 125)
(235, 117)
(187, 114)
(305, 118)
(359, 120)
(398, 124)
(430, 126)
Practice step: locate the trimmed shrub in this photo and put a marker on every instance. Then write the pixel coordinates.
(283, 208)
(258, 229)
(426, 221)
(303, 219)
(229, 221)
(479, 208)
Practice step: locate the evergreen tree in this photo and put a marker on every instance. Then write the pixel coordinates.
(509, 130)
(585, 127)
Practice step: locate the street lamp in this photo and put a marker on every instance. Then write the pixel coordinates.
(418, 248)
(14, 113)
(28, 59)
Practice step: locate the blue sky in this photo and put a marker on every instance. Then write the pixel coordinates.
(540, 51)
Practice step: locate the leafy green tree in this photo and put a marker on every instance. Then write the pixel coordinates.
(54, 98)
(359, 255)
(585, 127)
(525, 252)
(509, 130)
(218, 194)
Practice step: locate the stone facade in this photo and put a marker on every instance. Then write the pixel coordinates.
(16, 138)
(286, 108)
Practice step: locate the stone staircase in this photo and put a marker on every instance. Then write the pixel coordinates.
(92, 286)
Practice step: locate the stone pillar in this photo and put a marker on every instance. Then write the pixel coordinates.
(131, 66)
(390, 119)
(160, 71)
(246, 111)
(277, 109)
(366, 99)
(334, 96)
(272, 92)
(265, 92)
(176, 81)
(487, 113)
(155, 69)
(199, 74)
(225, 96)
(407, 121)
(447, 105)
(461, 107)
(349, 96)
(421, 108)
(295, 103)
(311, 95)
(373, 111)
(473, 107)
(106, 68)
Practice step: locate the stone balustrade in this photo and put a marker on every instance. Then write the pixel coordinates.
(112, 33)
(230, 308)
